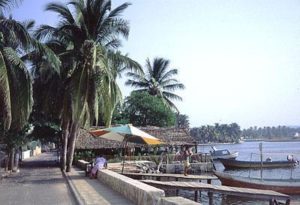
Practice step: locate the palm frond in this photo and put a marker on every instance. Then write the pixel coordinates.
(44, 32)
(175, 86)
(137, 84)
(118, 11)
(169, 74)
(12, 57)
(51, 57)
(123, 62)
(5, 108)
(172, 96)
(8, 4)
(62, 10)
(21, 87)
(110, 43)
(22, 36)
(170, 104)
(28, 25)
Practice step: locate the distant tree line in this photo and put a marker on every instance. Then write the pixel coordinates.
(217, 133)
(279, 132)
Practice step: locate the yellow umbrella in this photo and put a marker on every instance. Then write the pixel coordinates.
(126, 133)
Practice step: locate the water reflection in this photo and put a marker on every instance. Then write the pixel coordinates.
(250, 151)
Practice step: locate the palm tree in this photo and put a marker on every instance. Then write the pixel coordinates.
(15, 82)
(157, 81)
(86, 42)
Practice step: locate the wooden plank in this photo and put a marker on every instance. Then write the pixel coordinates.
(179, 176)
(246, 192)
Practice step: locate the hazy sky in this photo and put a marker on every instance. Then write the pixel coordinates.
(239, 60)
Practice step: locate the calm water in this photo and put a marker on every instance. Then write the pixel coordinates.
(250, 151)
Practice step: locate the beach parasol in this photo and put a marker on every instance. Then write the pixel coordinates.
(126, 133)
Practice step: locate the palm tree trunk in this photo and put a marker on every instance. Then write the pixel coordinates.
(65, 137)
(71, 145)
(11, 158)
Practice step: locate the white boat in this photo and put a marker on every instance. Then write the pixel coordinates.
(222, 153)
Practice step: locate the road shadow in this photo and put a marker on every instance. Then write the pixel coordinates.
(44, 160)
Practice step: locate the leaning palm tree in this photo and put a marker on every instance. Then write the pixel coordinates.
(157, 81)
(86, 41)
(15, 82)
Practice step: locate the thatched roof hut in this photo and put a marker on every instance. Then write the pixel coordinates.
(87, 141)
(171, 136)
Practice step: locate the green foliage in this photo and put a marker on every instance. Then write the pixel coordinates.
(158, 80)
(119, 116)
(182, 121)
(279, 132)
(46, 132)
(143, 109)
(14, 139)
(218, 133)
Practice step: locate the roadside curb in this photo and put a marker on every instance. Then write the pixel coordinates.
(73, 189)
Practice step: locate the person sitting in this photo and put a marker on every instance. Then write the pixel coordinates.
(100, 163)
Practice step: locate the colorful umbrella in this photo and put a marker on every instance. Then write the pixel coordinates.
(126, 133)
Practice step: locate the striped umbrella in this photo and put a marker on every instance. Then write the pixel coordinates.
(126, 133)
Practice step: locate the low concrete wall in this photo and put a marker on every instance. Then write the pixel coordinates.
(37, 151)
(82, 164)
(136, 191)
(26, 154)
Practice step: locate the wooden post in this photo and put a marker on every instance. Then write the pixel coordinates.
(196, 196)
(210, 198)
(177, 191)
(261, 160)
(200, 190)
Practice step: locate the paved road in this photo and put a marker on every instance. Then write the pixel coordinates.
(39, 181)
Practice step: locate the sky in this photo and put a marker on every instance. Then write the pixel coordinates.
(239, 60)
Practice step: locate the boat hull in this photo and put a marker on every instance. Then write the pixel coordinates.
(237, 164)
(291, 187)
(229, 156)
(223, 154)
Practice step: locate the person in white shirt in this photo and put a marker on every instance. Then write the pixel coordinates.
(100, 163)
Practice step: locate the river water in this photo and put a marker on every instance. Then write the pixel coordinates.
(250, 151)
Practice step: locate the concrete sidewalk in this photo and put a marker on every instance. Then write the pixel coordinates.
(92, 191)
(39, 181)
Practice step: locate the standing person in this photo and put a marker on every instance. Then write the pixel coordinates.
(186, 160)
(100, 163)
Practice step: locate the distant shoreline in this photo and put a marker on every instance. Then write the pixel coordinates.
(272, 140)
(251, 140)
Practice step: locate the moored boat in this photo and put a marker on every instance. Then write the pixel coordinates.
(222, 154)
(238, 164)
(286, 186)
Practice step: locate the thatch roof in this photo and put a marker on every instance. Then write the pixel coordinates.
(87, 141)
(171, 136)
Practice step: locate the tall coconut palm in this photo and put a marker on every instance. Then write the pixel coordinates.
(15, 82)
(88, 39)
(158, 81)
